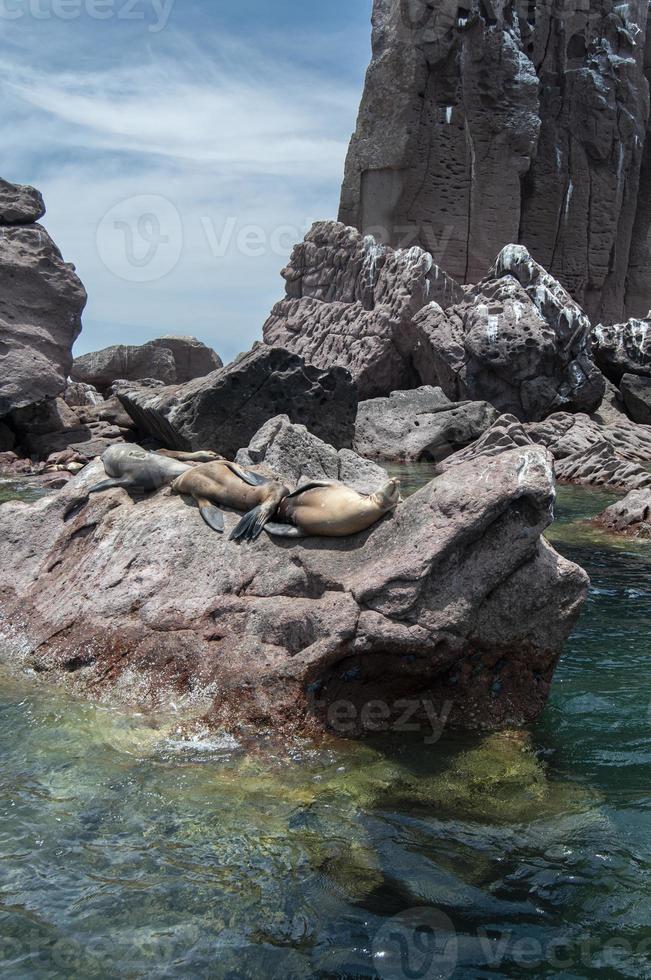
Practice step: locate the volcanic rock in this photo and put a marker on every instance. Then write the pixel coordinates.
(171, 360)
(623, 348)
(40, 317)
(352, 302)
(494, 123)
(296, 456)
(516, 340)
(419, 424)
(224, 410)
(20, 204)
(601, 467)
(630, 516)
(455, 603)
(636, 393)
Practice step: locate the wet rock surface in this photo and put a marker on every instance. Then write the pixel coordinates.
(457, 598)
(224, 410)
(630, 516)
(419, 424)
(351, 302)
(484, 125)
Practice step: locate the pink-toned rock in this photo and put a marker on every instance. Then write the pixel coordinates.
(630, 516)
(456, 603)
(351, 302)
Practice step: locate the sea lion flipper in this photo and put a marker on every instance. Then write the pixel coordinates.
(251, 526)
(284, 531)
(247, 476)
(123, 481)
(312, 485)
(212, 515)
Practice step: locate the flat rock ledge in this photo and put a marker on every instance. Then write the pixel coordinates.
(456, 605)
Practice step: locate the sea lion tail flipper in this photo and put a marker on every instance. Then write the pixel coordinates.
(250, 527)
(123, 481)
(248, 476)
(212, 515)
(284, 530)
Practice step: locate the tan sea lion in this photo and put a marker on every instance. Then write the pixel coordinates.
(332, 510)
(228, 485)
(202, 456)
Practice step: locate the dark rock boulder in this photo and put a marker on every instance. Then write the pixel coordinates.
(224, 410)
(456, 602)
(171, 360)
(20, 204)
(486, 124)
(636, 393)
(419, 424)
(294, 454)
(80, 395)
(516, 340)
(623, 348)
(630, 516)
(40, 316)
(351, 302)
(54, 426)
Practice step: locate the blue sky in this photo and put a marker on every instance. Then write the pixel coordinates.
(182, 147)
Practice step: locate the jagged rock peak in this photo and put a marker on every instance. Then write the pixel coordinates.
(498, 122)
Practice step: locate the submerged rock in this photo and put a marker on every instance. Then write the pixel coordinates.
(171, 360)
(350, 301)
(516, 340)
(455, 608)
(419, 424)
(224, 410)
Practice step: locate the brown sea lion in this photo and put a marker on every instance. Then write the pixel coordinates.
(332, 510)
(228, 485)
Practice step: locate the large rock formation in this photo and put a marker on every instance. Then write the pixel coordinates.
(623, 348)
(352, 302)
(455, 605)
(495, 123)
(172, 360)
(41, 302)
(226, 408)
(419, 424)
(516, 340)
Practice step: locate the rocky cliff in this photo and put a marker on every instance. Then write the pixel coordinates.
(496, 122)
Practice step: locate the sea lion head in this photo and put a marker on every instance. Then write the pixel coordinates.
(388, 497)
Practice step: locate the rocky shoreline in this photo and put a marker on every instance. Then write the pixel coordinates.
(487, 367)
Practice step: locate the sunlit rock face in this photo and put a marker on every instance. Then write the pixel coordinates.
(351, 301)
(623, 348)
(455, 602)
(490, 123)
(41, 302)
(516, 340)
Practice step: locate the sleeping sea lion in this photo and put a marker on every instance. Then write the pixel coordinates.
(202, 456)
(332, 510)
(134, 468)
(228, 485)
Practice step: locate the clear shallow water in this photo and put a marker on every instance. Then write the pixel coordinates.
(124, 853)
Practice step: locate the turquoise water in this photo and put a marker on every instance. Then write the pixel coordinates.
(126, 853)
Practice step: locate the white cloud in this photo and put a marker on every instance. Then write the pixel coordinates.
(231, 139)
